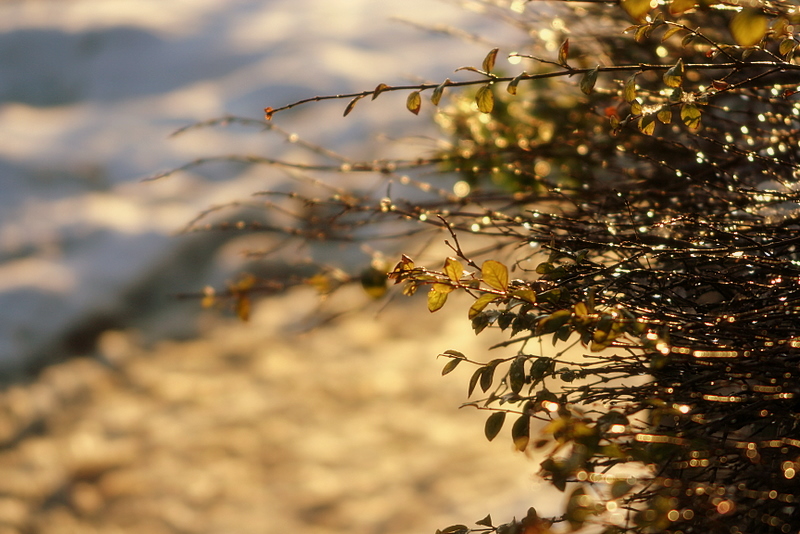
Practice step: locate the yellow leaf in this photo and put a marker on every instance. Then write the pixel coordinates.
(480, 303)
(749, 26)
(488, 62)
(637, 9)
(414, 102)
(453, 269)
(664, 115)
(647, 124)
(512, 85)
(629, 92)
(484, 98)
(437, 93)
(674, 76)
(436, 298)
(526, 295)
(690, 116)
(672, 30)
(676, 7)
(495, 274)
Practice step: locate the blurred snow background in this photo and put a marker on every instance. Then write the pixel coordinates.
(90, 91)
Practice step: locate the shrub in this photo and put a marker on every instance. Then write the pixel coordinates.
(631, 196)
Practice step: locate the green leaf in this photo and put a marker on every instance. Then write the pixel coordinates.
(690, 115)
(563, 52)
(414, 102)
(449, 366)
(749, 26)
(528, 295)
(637, 9)
(588, 81)
(487, 377)
(672, 30)
(516, 374)
(647, 124)
(480, 303)
(381, 87)
(488, 61)
(437, 93)
(629, 91)
(453, 269)
(512, 85)
(494, 423)
(664, 115)
(787, 46)
(437, 296)
(521, 432)
(495, 274)
(473, 381)
(674, 76)
(484, 98)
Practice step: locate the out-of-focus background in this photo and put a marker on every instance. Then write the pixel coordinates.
(126, 410)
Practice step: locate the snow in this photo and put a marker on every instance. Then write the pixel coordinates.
(89, 93)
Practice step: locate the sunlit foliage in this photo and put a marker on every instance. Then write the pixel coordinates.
(631, 192)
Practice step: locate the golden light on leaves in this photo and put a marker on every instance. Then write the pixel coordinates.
(484, 98)
(690, 115)
(437, 296)
(495, 274)
(563, 52)
(674, 76)
(676, 7)
(512, 85)
(488, 61)
(479, 304)
(437, 93)
(588, 81)
(749, 26)
(637, 9)
(381, 87)
(453, 269)
(414, 102)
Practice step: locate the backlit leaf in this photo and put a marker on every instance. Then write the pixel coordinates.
(453, 269)
(588, 81)
(563, 52)
(480, 303)
(512, 85)
(484, 98)
(527, 295)
(414, 102)
(494, 423)
(787, 46)
(495, 274)
(664, 115)
(437, 93)
(488, 61)
(674, 76)
(637, 9)
(749, 26)
(677, 7)
(629, 91)
(690, 116)
(437, 296)
(381, 87)
(672, 30)
(647, 124)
